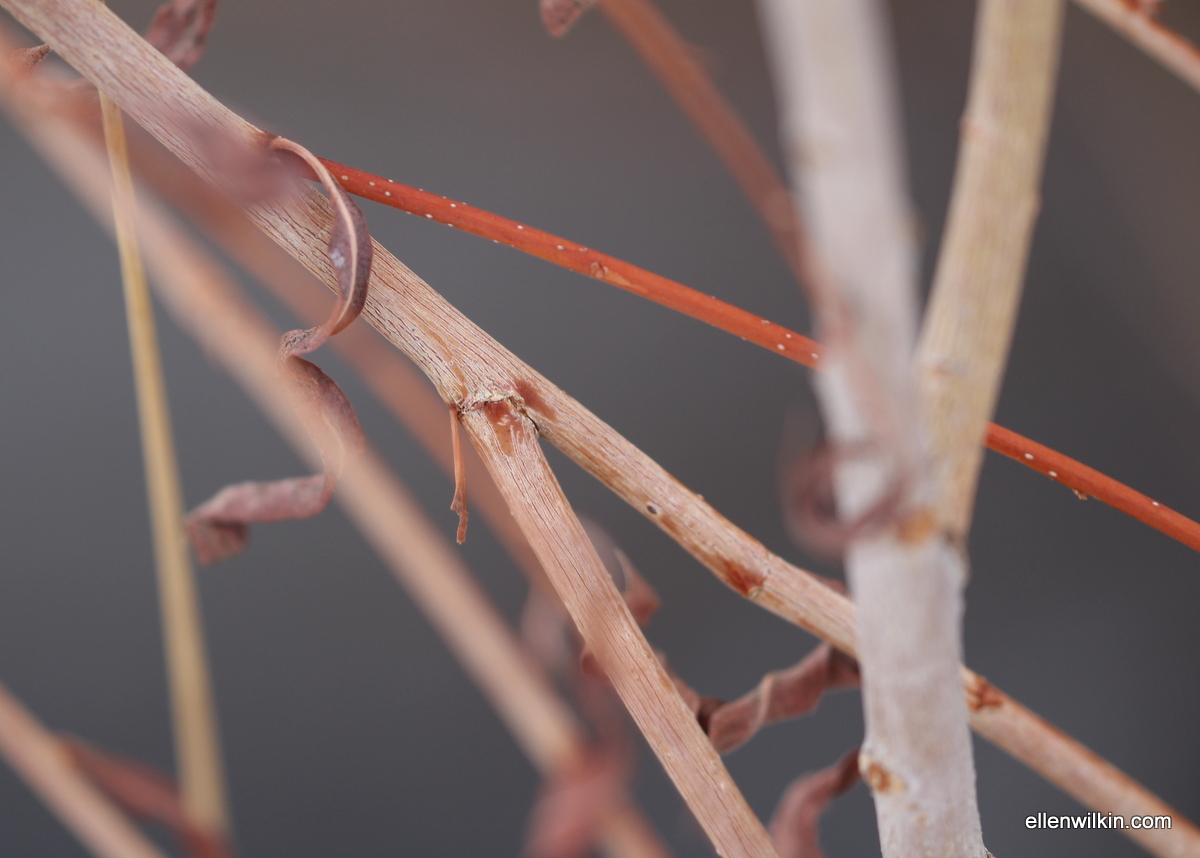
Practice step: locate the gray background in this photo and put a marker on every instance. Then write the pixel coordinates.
(349, 730)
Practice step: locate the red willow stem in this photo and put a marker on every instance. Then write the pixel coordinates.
(755, 329)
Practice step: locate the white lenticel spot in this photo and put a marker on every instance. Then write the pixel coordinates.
(429, 216)
(1029, 456)
(387, 193)
(780, 346)
(346, 178)
(560, 247)
(372, 184)
(520, 227)
(814, 354)
(1156, 503)
(1054, 473)
(787, 336)
(453, 206)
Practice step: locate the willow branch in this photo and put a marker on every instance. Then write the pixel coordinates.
(36, 756)
(585, 260)
(422, 324)
(972, 310)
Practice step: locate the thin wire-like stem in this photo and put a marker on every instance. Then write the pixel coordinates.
(38, 758)
(675, 64)
(753, 328)
(197, 747)
(461, 360)
(1131, 20)
(210, 307)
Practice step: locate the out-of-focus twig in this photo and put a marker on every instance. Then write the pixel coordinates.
(1131, 19)
(38, 758)
(197, 746)
(794, 825)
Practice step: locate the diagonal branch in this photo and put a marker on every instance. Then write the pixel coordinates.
(507, 439)
(421, 323)
(753, 328)
(36, 755)
(1131, 20)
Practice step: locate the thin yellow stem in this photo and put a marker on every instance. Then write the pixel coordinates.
(197, 748)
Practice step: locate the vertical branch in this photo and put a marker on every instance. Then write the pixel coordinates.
(37, 757)
(197, 748)
(507, 439)
(841, 132)
(977, 289)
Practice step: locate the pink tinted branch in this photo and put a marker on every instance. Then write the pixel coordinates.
(38, 758)
(755, 329)
(507, 439)
(146, 794)
(1131, 19)
(210, 308)
(419, 321)
(675, 64)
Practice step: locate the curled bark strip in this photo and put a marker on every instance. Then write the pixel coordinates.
(569, 812)
(219, 528)
(810, 505)
(180, 30)
(781, 694)
(145, 794)
(560, 15)
(349, 251)
(794, 826)
(567, 817)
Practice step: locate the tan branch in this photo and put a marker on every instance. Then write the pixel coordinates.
(443, 343)
(193, 712)
(981, 268)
